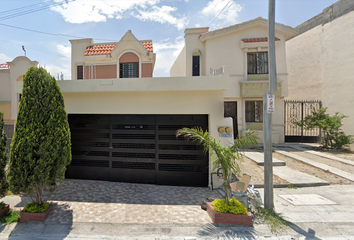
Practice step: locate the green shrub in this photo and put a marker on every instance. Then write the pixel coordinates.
(332, 134)
(3, 158)
(2, 205)
(10, 217)
(35, 208)
(234, 206)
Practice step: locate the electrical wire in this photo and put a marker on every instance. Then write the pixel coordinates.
(31, 10)
(221, 11)
(52, 34)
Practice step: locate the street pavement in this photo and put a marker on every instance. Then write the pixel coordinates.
(325, 212)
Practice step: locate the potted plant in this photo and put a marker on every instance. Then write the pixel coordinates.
(225, 157)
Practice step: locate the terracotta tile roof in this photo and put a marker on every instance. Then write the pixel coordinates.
(99, 49)
(108, 48)
(148, 46)
(262, 39)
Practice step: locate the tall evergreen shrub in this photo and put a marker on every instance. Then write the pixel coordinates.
(3, 157)
(41, 147)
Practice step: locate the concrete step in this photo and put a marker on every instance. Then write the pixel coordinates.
(259, 158)
(322, 166)
(320, 154)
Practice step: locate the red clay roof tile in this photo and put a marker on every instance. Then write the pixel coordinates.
(108, 48)
(261, 39)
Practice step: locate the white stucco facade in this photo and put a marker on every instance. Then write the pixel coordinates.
(320, 63)
(230, 46)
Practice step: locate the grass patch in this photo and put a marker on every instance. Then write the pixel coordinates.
(10, 217)
(290, 186)
(276, 222)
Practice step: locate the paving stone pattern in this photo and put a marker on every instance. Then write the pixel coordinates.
(114, 202)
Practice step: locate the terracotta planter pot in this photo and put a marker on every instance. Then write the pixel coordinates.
(227, 218)
(37, 217)
(4, 210)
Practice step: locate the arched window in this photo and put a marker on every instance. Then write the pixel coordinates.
(129, 66)
(196, 64)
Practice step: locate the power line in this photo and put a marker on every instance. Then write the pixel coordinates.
(221, 11)
(30, 10)
(52, 34)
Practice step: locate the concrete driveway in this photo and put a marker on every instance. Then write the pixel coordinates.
(113, 202)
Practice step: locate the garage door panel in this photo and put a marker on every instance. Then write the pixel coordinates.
(182, 179)
(139, 148)
(132, 175)
(92, 173)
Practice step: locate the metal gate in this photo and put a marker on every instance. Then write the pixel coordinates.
(230, 110)
(295, 111)
(137, 148)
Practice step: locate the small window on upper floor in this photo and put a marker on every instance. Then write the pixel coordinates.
(257, 63)
(129, 70)
(196, 64)
(80, 72)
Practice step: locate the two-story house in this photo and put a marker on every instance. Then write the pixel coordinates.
(123, 121)
(244, 48)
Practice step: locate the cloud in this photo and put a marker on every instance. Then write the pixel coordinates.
(4, 58)
(63, 64)
(82, 11)
(166, 54)
(162, 15)
(229, 15)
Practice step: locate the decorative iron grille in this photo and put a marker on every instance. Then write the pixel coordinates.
(295, 111)
(257, 63)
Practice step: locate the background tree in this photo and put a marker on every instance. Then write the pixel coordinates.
(332, 136)
(3, 157)
(223, 156)
(41, 147)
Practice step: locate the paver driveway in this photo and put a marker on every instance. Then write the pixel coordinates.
(114, 202)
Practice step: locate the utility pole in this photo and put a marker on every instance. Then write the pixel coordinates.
(268, 103)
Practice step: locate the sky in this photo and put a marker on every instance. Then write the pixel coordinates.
(45, 27)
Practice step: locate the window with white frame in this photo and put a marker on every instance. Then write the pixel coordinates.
(254, 111)
(257, 62)
(129, 70)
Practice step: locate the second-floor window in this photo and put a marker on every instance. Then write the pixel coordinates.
(196, 66)
(129, 70)
(80, 72)
(257, 63)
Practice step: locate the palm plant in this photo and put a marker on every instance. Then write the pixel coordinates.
(223, 156)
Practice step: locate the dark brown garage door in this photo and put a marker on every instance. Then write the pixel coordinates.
(137, 148)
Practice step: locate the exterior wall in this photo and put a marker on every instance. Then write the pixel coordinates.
(327, 50)
(5, 107)
(179, 66)
(193, 44)
(128, 58)
(146, 70)
(101, 71)
(5, 85)
(78, 48)
(305, 65)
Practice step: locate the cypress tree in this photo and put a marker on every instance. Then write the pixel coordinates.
(41, 147)
(3, 157)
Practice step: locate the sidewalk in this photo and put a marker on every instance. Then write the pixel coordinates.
(325, 212)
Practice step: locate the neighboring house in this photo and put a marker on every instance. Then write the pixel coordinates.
(128, 58)
(123, 121)
(10, 73)
(321, 58)
(244, 48)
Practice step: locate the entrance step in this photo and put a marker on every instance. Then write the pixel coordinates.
(320, 154)
(298, 179)
(322, 166)
(259, 158)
